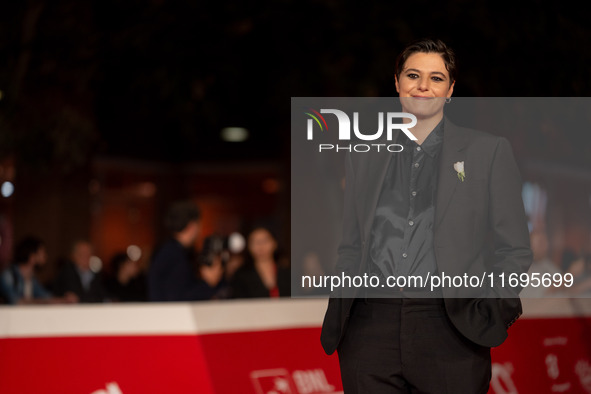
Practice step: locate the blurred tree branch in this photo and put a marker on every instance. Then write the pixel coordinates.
(29, 28)
(47, 114)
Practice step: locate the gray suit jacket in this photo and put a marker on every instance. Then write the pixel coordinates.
(480, 225)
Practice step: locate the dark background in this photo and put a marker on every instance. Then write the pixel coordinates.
(124, 93)
(159, 79)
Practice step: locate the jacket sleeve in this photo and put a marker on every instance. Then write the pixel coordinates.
(512, 253)
(349, 249)
(8, 287)
(348, 259)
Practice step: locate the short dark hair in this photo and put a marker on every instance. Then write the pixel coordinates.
(25, 248)
(78, 242)
(180, 214)
(117, 262)
(427, 45)
(248, 259)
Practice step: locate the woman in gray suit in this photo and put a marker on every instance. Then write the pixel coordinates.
(436, 208)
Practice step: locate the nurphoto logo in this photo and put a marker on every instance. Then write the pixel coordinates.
(344, 130)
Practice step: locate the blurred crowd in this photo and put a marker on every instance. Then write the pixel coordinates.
(572, 264)
(232, 266)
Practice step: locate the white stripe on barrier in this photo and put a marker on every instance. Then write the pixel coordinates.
(555, 307)
(99, 319)
(204, 317)
(256, 315)
(160, 318)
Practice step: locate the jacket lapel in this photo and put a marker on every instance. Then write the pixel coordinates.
(452, 151)
(369, 186)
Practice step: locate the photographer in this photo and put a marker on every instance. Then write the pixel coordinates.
(171, 276)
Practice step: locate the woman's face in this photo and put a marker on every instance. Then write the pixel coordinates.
(261, 244)
(40, 256)
(424, 84)
(130, 268)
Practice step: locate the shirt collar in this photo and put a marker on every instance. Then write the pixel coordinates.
(433, 142)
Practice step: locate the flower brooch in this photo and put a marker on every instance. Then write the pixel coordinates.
(459, 167)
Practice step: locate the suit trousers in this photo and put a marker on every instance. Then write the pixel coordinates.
(409, 345)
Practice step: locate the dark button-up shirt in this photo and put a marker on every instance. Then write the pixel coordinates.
(171, 276)
(402, 231)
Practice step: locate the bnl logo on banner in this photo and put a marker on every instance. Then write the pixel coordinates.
(344, 133)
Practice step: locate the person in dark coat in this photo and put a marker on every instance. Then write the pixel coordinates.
(262, 274)
(172, 275)
(77, 277)
(127, 282)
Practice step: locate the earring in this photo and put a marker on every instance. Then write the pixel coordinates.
(448, 100)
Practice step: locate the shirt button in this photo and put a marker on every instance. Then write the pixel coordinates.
(418, 148)
(413, 193)
(411, 223)
(416, 165)
(404, 255)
